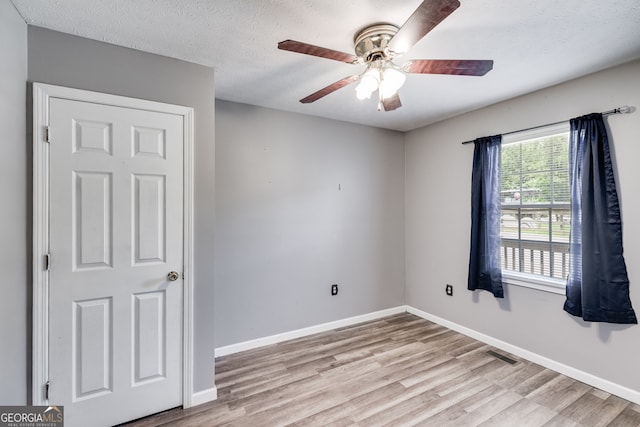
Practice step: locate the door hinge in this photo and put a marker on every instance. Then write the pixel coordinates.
(46, 134)
(47, 385)
(47, 262)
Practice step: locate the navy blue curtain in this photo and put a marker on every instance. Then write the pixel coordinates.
(597, 286)
(484, 261)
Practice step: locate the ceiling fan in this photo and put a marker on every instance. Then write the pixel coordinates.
(376, 46)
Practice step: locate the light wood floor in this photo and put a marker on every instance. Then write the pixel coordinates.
(397, 371)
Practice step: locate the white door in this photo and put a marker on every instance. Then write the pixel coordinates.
(115, 233)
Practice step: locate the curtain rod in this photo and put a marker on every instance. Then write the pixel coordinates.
(620, 110)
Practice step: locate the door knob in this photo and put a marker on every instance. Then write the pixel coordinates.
(173, 276)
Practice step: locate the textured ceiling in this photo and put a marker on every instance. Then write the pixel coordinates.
(534, 43)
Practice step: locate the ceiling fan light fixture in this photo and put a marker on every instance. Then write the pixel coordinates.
(380, 76)
(369, 82)
(391, 81)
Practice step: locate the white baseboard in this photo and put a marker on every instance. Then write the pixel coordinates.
(592, 380)
(204, 396)
(298, 333)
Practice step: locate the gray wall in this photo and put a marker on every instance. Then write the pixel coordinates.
(285, 232)
(67, 60)
(14, 213)
(438, 177)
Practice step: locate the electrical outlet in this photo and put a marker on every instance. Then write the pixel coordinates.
(334, 289)
(449, 290)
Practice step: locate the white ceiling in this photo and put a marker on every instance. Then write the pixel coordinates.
(534, 43)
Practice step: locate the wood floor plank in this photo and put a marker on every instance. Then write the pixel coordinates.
(431, 370)
(559, 394)
(490, 408)
(447, 409)
(561, 421)
(535, 382)
(294, 410)
(390, 414)
(594, 411)
(518, 376)
(400, 370)
(372, 397)
(266, 385)
(215, 417)
(456, 388)
(467, 348)
(523, 413)
(267, 399)
(627, 418)
(476, 358)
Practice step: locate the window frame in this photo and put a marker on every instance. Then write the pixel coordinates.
(527, 280)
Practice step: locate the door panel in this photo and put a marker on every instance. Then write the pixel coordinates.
(91, 202)
(91, 136)
(149, 142)
(116, 230)
(92, 349)
(148, 219)
(149, 353)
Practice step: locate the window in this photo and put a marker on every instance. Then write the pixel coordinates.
(536, 208)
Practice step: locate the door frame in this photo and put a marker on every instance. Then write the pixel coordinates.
(42, 93)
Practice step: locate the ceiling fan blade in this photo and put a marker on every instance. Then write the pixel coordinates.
(391, 103)
(329, 89)
(322, 52)
(425, 18)
(459, 67)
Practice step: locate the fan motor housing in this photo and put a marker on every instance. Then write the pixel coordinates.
(371, 42)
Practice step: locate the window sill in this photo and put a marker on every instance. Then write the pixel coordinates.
(555, 286)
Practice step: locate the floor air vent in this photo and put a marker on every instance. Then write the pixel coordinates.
(502, 357)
